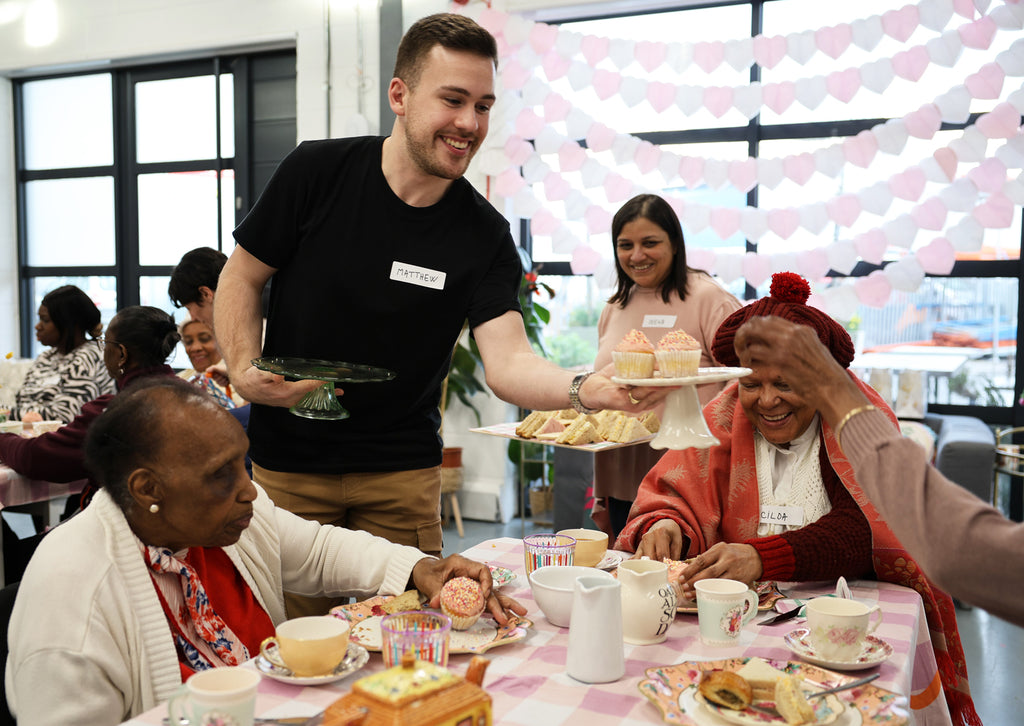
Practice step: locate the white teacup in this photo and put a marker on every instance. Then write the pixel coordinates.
(591, 546)
(723, 608)
(311, 646)
(838, 626)
(218, 693)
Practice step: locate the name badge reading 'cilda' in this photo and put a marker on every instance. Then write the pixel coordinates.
(416, 275)
(782, 515)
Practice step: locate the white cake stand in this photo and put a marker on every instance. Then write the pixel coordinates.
(682, 424)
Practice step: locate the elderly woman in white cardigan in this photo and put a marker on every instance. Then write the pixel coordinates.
(178, 565)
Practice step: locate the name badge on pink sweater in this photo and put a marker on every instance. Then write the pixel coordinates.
(659, 321)
(415, 275)
(785, 516)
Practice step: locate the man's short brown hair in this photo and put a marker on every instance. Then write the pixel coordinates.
(449, 30)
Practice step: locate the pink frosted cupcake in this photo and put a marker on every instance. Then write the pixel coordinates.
(678, 355)
(462, 601)
(634, 356)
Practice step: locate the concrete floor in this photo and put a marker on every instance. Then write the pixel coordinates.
(993, 647)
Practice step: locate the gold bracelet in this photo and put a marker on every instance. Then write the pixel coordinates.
(850, 414)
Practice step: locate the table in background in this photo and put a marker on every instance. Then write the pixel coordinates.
(528, 684)
(16, 490)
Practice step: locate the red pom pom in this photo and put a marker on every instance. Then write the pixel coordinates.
(790, 287)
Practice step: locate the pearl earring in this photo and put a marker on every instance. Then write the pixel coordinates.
(154, 508)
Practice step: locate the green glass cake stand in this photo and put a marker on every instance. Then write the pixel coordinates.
(322, 403)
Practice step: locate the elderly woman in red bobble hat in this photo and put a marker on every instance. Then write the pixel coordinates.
(779, 462)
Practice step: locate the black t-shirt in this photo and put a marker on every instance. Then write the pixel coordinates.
(363, 277)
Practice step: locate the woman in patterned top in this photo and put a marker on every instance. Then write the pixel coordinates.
(71, 371)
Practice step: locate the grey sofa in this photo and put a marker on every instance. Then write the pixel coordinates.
(965, 451)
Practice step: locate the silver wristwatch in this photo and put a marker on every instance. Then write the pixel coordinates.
(574, 392)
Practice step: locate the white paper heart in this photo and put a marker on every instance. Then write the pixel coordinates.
(935, 14)
(876, 198)
(801, 46)
(753, 224)
(668, 166)
(933, 172)
(696, 217)
(1011, 60)
(729, 267)
(578, 123)
(954, 105)
(716, 173)
(867, 32)
(770, 172)
(580, 75)
(1016, 99)
(568, 42)
(810, 92)
(839, 302)
(1009, 16)
(971, 146)
(526, 203)
(624, 148)
(535, 91)
(900, 232)
(877, 75)
(576, 205)
(891, 136)
(905, 274)
(1012, 153)
(830, 160)
(633, 91)
(689, 99)
(1014, 191)
(621, 52)
(679, 55)
(945, 49)
(748, 99)
(493, 162)
(739, 53)
(548, 141)
(517, 30)
(842, 256)
(563, 241)
(814, 217)
(592, 174)
(960, 195)
(967, 235)
(535, 170)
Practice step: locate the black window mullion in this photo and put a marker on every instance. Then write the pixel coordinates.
(126, 191)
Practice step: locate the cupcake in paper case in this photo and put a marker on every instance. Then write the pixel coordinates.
(462, 601)
(678, 355)
(634, 356)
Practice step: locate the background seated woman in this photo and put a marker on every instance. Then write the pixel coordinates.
(201, 348)
(70, 372)
(180, 564)
(138, 341)
(777, 458)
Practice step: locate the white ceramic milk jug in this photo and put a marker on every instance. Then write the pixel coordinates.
(596, 654)
(648, 601)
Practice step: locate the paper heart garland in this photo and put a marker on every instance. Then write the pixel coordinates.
(945, 50)
(592, 174)
(617, 188)
(844, 84)
(877, 75)
(967, 235)
(661, 95)
(905, 274)
(708, 55)
(811, 91)
(834, 40)
(556, 188)
(542, 37)
(594, 48)
(934, 14)
(799, 167)
(597, 219)
(814, 217)
(937, 257)
(769, 50)
(1002, 122)
(866, 33)
(739, 53)
(717, 100)
(996, 212)
(548, 141)
(716, 173)
(725, 221)
(930, 214)
(743, 174)
(753, 224)
(874, 289)
(556, 108)
(779, 96)
(989, 176)
(900, 24)
(987, 82)
(979, 34)
(621, 52)
(813, 264)
(910, 64)
(544, 223)
(900, 231)
(571, 156)
(606, 83)
(624, 149)
(650, 54)
(756, 269)
(646, 157)
(876, 198)
(632, 91)
(908, 184)
(585, 260)
(871, 246)
(783, 222)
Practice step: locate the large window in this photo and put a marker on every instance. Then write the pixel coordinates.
(966, 321)
(121, 172)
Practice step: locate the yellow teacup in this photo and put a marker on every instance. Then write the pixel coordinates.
(311, 646)
(591, 546)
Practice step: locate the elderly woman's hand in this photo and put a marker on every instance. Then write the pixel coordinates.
(731, 561)
(430, 574)
(662, 541)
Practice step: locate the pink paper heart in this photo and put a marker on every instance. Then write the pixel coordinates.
(647, 157)
(989, 176)
(834, 40)
(873, 290)
(799, 167)
(996, 212)
(606, 83)
(843, 84)
(1002, 122)
(743, 174)
(556, 108)
(947, 161)
(812, 264)
(492, 20)
(571, 156)
(594, 49)
(514, 76)
(769, 50)
(598, 220)
(585, 260)
(931, 214)
(701, 259)
(543, 37)
(650, 54)
(617, 188)
(900, 24)
(600, 137)
(911, 64)
(518, 150)
(708, 55)
(908, 184)
(556, 188)
(756, 268)
(718, 100)
(528, 124)
(725, 221)
(691, 170)
(987, 82)
(844, 209)
(544, 223)
(555, 66)
(871, 246)
(937, 257)
(508, 183)
(661, 95)
(924, 122)
(783, 222)
(860, 150)
(964, 8)
(978, 34)
(779, 96)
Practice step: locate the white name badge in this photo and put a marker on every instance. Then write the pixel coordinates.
(785, 516)
(659, 321)
(414, 275)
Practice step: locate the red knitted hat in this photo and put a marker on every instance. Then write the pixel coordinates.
(787, 300)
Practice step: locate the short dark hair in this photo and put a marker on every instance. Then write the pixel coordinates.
(658, 211)
(147, 333)
(72, 312)
(197, 268)
(130, 431)
(455, 32)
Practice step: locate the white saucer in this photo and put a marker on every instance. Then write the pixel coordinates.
(875, 651)
(610, 561)
(355, 658)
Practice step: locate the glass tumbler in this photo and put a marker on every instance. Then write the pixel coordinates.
(541, 550)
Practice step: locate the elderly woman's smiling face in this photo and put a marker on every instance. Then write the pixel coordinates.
(772, 407)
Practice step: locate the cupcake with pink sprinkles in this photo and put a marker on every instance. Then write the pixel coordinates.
(462, 601)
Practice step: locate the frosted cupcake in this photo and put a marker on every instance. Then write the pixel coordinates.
(634, 356)
(678, 355)
(462, 601)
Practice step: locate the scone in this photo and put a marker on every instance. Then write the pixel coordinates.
(634, 356)
(678, 355)
(726, 689)
(792, 703)
(462, 601)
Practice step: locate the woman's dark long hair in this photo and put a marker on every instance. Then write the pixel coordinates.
(658, 211)
(73, 313)
(149, 334)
